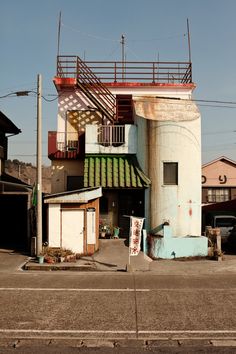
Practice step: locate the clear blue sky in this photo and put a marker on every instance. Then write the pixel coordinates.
(93, 28)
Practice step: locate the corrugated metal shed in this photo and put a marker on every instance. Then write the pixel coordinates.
(114, 171)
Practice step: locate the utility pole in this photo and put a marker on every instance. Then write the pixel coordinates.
(39, 164)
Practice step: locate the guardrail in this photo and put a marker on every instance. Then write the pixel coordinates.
(128, 71)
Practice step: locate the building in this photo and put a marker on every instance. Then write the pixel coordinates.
(15, 197)
(219, 180)
(219, 194)
(131, 127)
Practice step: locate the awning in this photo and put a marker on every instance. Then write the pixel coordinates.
(114, 171)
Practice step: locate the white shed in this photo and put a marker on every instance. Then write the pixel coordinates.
(73, 220)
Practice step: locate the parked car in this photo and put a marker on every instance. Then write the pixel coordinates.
(232, 240)
(225, 223)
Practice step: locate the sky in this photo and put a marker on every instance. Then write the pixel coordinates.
(92, 29)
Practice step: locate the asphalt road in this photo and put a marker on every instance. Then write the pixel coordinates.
(117, 306)
(139, 311)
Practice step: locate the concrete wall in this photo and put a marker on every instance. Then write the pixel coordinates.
(61, 170)
(171, 132)
(168, 247)
(180, 204)
(93, 147)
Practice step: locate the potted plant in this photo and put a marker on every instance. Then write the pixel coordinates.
(103, 229)
(116, 231)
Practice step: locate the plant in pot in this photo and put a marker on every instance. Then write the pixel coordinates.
(41, 256)
(116, 231)
(102, 229)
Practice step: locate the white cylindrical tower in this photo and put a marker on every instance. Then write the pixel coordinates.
(175, 172)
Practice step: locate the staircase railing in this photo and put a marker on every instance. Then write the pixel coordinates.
(95, 90)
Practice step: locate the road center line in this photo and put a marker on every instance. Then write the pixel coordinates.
(75, 290)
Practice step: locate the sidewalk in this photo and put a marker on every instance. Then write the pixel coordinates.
(113, 257)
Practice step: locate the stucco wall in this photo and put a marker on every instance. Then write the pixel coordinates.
(177, 140)
(62, 169)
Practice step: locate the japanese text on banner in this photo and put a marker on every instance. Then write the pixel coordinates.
(136, 225)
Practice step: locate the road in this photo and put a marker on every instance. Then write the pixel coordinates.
(112, 309)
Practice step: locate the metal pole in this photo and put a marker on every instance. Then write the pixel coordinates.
(189, 44)
(123, 56)
(59, 35)
(39, 164)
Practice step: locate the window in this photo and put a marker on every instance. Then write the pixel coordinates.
(215, 195)
(103, 204)
(170, 173)
(75, 182)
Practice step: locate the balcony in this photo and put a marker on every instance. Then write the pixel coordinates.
(110, 139)
(65, 145)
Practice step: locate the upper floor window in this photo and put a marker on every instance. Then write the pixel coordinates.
(75, 182)
(215, 195)
(170, 173)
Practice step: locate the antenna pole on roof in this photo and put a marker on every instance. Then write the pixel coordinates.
(189, 44)
(123, 55)
(59, 35)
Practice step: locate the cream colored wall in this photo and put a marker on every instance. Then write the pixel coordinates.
(180, 204)
(171, 132)
(54, 231)
(62, 169)
(216, 171)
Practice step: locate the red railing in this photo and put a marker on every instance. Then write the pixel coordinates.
(118, 71)
(65, 145)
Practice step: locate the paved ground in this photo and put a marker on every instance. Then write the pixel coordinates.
(176, 303)
(113, 256)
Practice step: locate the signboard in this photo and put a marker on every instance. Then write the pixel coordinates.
(136, 225)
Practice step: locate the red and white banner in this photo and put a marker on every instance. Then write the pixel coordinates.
(136, 225)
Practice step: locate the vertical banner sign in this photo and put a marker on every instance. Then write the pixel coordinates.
(136, 225)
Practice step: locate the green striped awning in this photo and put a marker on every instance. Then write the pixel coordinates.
(114, 171)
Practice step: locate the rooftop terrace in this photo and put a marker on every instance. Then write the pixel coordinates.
(127, 71)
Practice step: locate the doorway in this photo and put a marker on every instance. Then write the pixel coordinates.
(72, 229)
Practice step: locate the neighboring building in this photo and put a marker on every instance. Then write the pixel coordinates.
(15, 197)
(219, 180)
(133, 129)
(219, 194)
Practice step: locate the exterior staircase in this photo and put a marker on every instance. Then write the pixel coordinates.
(124, 104)
(96, 91)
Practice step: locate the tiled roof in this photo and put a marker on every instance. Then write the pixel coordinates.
(114, 171)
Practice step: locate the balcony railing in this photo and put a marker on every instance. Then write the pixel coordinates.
(132, 71)
(65, 144)
(67, 141)
(111, 135)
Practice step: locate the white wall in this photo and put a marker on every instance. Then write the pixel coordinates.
(93, 147)
(54, 224)
(179, 204)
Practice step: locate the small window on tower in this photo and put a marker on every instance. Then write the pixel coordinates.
(170, 173)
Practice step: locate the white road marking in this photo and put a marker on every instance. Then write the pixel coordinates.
(62, 331)
(76, 290)
(118, 289)
(75, 331)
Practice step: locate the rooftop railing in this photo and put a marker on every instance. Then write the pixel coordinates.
(128, 71)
